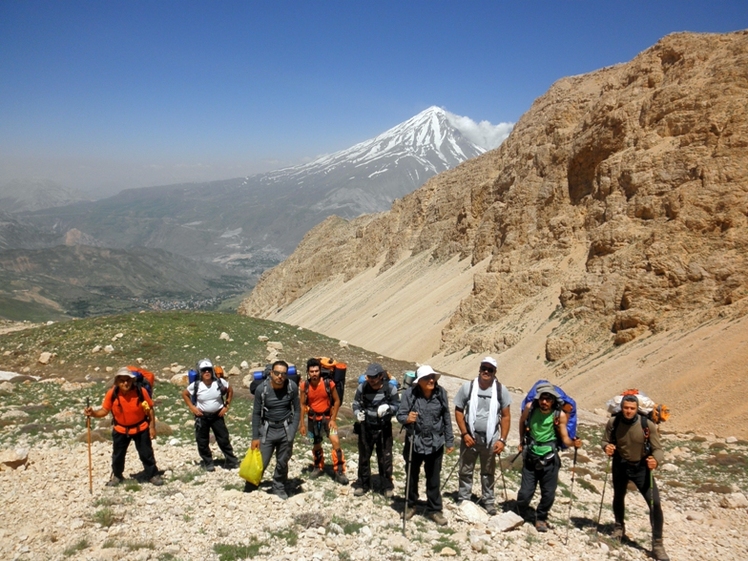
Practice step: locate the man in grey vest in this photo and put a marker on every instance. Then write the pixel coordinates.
(483, 417)
(275, 419)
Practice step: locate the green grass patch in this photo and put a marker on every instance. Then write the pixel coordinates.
(105, 517)
(77, 547)
(234, 552)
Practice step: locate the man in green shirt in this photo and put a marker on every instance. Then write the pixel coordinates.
(542, 426)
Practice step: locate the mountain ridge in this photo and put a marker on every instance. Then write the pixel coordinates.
(613, 216)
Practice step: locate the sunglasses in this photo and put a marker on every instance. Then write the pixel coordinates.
(429, 378)
(489, 369)
(278, 373)
(546, 397)
(206, 370)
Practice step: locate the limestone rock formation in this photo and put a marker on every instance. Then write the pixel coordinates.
(623, 193)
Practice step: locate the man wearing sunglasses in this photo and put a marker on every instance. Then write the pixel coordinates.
(275, 419)
(483, 416)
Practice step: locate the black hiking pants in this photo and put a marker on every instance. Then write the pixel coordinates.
(546, 476)
(369, 439)
(142, 440)
(639, 474)
(203, 426)
(432, 465)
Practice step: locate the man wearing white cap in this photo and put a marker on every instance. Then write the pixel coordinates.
(483, 417)
(424, 409)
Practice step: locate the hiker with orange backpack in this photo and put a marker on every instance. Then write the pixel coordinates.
(209, 399)
(542, 428)
(633, 443)
(320, 401)
(133, 420)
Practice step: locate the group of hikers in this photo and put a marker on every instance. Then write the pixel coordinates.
(481, 413)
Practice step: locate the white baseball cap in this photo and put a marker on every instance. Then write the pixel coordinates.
(490, 360)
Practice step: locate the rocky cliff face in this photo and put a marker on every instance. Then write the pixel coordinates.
(623, 191)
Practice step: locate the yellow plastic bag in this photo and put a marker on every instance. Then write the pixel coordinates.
(251, 467)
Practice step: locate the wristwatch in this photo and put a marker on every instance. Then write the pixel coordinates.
(502, 440)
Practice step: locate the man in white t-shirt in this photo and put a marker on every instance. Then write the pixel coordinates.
(483, 417)
(209, 399)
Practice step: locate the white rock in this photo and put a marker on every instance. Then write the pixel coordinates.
(473, 513)
(13, 459)
(224, 336)
(343, 344)
(670, 467)
(15, 414)
(108, 349)
(277, 345)
(44, 357)
(734, 500)
(96, 349)
(263, 338)
(731, 440)
(234, 371)
(244, 365)
(109, 368)
(506, 521)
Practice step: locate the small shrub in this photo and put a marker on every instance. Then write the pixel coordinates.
(234, 552)
(80, 545)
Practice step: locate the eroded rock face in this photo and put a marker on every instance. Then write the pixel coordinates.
(640, 168)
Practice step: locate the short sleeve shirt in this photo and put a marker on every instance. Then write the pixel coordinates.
(209, 398)
(462, 399)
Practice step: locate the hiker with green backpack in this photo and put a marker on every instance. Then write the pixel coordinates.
(633, 443)
(542, 429)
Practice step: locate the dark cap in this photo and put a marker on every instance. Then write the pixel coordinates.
(374, 369)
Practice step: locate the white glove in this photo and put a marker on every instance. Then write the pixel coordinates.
(383, 410)
(361, 416)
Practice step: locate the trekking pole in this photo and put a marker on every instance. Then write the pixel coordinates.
(605, 482)
(503, 481)
(571, 498)
(90, 465)
(514, 459)
(459, 459)
(407, 480)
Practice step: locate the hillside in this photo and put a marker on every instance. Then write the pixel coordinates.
(603, 245)
(80, 280)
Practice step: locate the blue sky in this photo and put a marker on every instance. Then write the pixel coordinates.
(104, 95)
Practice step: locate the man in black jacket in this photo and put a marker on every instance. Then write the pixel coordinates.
(374, 404)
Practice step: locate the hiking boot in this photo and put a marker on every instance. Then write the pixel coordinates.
(658, 551)
(209, 467)
(341, 478)
(438, 517)
(410, 512)
(619, 531)
(541, 525)
(491, 510)
(388, 493)
(360, 491)
(231, 465)
(316, 472)
(280, 493)
(114, 481)
(249, 487)
(156, 480)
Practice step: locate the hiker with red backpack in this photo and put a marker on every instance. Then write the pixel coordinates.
(483, 416)
(320, 401)
(134, 420)
(633, 443)
(542, 429)
(208, 399)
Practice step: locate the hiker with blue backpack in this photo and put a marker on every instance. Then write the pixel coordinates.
(209, 399)
(632, 442)
(543, 428)
(483, 416)
(275, 420)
